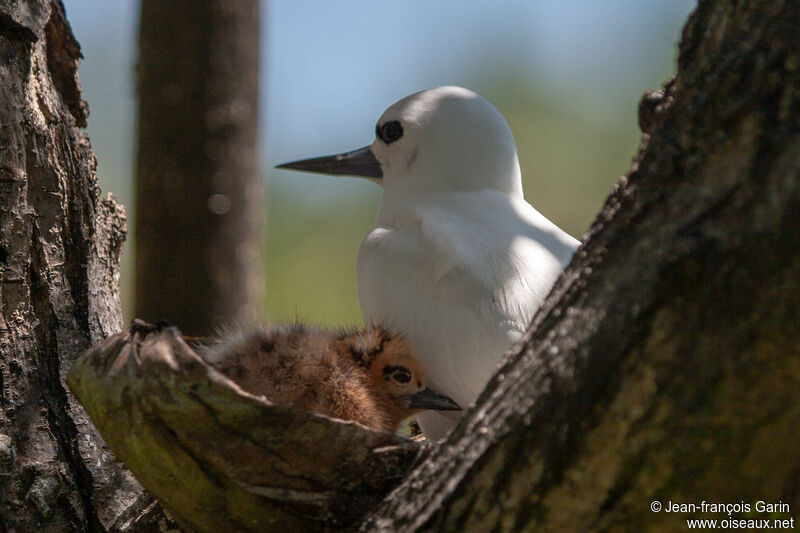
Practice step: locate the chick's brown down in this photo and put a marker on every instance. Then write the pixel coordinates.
(368, 376)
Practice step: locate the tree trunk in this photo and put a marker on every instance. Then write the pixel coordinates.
(199, 195)
(665, 365)
(59, 270)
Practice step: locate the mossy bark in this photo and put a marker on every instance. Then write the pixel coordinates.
(221, 459)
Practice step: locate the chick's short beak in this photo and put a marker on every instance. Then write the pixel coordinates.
(361, 162)
(430, 399)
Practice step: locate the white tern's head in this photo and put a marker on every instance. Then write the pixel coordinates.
(440, 140)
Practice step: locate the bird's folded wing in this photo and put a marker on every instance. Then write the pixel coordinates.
(496, 248)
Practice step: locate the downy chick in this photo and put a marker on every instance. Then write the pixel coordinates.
(369, 376)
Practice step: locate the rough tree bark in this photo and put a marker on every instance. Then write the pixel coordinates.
(59, 255)
(664, 365)
(666, 362)
(199, 196)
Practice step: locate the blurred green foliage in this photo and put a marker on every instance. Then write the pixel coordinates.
(310, 254)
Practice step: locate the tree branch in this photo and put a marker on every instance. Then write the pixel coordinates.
(221, 459)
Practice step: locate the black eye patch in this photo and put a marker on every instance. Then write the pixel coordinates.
(398, 373)
(389, 132)
(401, 377)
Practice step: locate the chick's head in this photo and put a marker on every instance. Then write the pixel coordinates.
(397, 375)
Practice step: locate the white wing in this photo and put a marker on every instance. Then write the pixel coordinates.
(460, 275)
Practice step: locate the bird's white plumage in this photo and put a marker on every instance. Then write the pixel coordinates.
(458, 261)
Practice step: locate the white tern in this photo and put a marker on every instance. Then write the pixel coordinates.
(458, 262)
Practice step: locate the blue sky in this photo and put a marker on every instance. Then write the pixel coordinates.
(330, 68)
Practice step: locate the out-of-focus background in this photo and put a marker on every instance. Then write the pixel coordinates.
(567, 76)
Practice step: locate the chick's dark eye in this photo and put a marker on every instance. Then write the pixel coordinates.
(401, 377)
(390, 131)
(398, 373)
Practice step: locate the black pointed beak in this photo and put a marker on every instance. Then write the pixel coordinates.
(359, 162)
(430, 399)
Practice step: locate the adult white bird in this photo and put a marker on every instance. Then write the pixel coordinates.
(458, 261)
